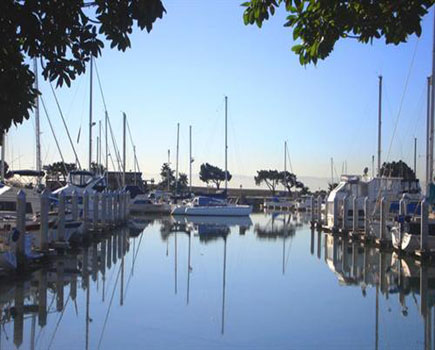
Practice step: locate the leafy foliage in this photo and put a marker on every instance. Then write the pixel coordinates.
(318, 24)
(210, 173)
(270, 177)
(59, 170)
(167, 176)
(397, 169)
(63, 35)
(331, 186)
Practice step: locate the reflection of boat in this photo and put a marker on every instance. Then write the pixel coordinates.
(244, 221)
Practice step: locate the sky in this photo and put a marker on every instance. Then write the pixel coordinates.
(200, 52)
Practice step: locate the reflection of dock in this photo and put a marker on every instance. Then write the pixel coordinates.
(29, 296)
(358, 265)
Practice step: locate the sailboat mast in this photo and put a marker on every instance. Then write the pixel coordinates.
(379, 125)
(37, 123)
(432, 112)
(3, 140)
(428, 136)
(226, 143)
(90, 115)
(168, 171)
(332, 171)
(285, 164)
(190, 158)
(107, 148)
(123, 150)
(176, 162)
(415, 156)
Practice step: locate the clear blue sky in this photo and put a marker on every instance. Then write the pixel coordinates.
(201, 51)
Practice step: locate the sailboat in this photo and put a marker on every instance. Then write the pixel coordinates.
(209, 206)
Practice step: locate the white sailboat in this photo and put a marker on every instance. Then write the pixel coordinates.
(209, 206)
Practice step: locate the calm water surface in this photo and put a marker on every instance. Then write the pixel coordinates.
(267, 282)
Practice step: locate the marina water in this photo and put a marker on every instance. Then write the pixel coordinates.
(264, 282)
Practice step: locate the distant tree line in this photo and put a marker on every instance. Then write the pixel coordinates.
(273, 178)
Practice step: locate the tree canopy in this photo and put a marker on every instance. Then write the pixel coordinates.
(397, 169)
(210, 173)
(273, 178)
(59, 170)
(62, 35)
(318, 25)
(167, 176)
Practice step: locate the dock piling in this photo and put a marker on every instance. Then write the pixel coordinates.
(21, 225)
(61, 218)
(43, 241)
(424, 227)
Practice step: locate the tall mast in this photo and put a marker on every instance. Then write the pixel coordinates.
(37, 125)
(90, 115)
(428, 137)
(332, 171)
(190, 158)
(123, 150)
(379, 125)
(226, 144)
(168, 171)
(3, 140)
(100, 152)
(285, 165)
(415, 156)
(107, 149)
(134, 162)
(432, 112)
(176, 161)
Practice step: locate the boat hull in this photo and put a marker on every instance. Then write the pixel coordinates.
(229, 210)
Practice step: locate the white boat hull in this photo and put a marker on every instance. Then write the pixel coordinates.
(225, 210)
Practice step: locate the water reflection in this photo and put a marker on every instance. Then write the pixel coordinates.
(220, 278)
(357, 265)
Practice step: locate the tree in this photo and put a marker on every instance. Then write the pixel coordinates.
(167, 175)
(183, 182)
(97, 168)
(270, 177)
(331, 186)
(397, 169)
(59, 170)
(63, 35)
(320, 24)
(210, 173)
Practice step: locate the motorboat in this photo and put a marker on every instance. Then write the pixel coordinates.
(140, 203)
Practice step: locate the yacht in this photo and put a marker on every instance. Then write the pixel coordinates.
(360, 187)
(140, 203)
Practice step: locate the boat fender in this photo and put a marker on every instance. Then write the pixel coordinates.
(15, 235)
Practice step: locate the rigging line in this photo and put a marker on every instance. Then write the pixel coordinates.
(288, 158)
(54, 135)
(118, 180)
(58, 322)
(66, 127)
(378, 201)
(132, 144)
(100, 86)
(403, 98)
(110, 306)
(115, 147)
